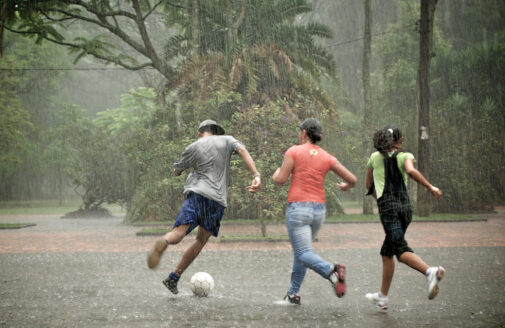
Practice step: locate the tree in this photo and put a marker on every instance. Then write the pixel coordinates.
(224, 59)
(468, 103)
(3, 19)
(36, 91)
(49, 20)
(425, 55)
(15, 126)
(97, 166)
(367, 124)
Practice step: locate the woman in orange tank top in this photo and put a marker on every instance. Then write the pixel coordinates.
(307, 164)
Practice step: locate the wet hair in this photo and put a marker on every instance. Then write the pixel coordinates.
(313, 128)
(386, 138)
(209, 128)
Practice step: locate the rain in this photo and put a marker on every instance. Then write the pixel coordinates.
(99, 99)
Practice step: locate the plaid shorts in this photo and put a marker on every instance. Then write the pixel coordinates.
(200, 211)
(395, 214)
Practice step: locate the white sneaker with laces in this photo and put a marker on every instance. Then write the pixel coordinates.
(380, 302)
(436, 274)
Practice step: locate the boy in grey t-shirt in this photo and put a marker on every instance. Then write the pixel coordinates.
(205, 190)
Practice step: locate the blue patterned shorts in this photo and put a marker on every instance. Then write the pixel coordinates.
(200, 211)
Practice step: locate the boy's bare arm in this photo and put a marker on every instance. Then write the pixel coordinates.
(249, 162)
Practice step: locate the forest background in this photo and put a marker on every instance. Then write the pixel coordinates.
(99, 98)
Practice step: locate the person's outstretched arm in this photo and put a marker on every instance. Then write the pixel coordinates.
(349, 178)
(282, 173)
(249, 162)
(419, 178)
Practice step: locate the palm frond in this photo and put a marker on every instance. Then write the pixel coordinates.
(319, 30)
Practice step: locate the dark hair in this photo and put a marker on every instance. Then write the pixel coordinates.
(209, 128)
(313, 128)
(386, 139)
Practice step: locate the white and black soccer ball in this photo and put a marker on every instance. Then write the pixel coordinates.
(202, 284)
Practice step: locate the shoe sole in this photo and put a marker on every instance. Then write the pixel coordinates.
(434, 291)
(382, 307)
(174, 291)
(376, 303)
(154, 257)
(292, 302)
(340, 287)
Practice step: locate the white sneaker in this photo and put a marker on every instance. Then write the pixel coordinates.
(380, 302)
(436, 274)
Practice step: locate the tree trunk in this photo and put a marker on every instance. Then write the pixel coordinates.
(3, 18)
(229, 25)
(425, 55)
(367, 201)
(195, 25)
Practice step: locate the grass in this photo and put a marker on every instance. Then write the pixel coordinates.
(223, 238)
(223, 222)
(16, 225)
(252, 238)
(153, 223)
(339, 218)
(53, 207)
(446, 217)
(153, 232)
(42, 207)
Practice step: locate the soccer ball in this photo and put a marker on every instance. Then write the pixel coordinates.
(201, 284)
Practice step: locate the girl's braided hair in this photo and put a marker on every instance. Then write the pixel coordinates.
(386, 139)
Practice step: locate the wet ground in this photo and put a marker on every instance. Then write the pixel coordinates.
(93, 273)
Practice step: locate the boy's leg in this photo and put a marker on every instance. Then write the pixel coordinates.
(186, 221)
(189, 255)
(192, 252)
(172, 237)
(177, 234)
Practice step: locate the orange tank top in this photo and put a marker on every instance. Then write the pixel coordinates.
(311, 163)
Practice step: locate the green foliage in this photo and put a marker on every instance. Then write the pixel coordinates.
(37, 172)
(14, 122)
(97, 166)
(143, 140)
(267, 132)
(469, 151)
(466, 107)
(158, 193)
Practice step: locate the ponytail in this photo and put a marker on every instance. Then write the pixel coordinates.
(313, 128)
(386, 139)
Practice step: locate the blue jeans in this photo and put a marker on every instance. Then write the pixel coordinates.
(304, 219)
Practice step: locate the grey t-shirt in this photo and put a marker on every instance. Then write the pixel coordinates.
(210, 159)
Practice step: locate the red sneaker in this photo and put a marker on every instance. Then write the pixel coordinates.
(338, 280)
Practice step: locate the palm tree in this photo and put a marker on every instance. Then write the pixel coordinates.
(265, 53)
